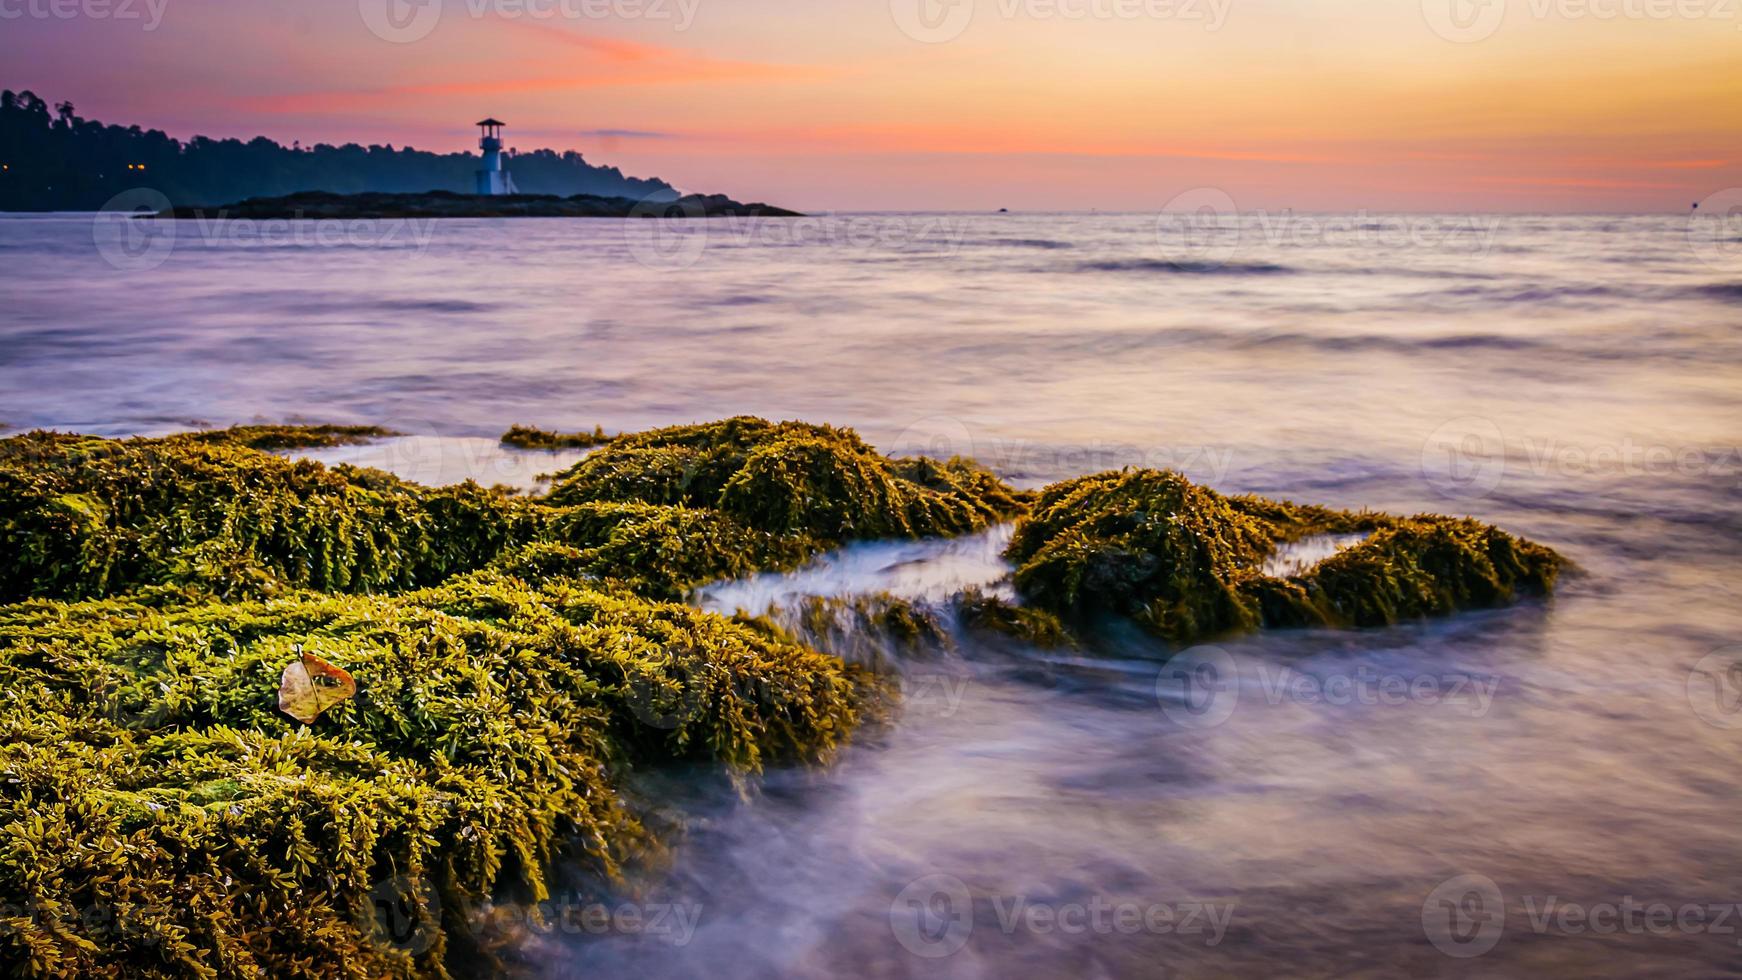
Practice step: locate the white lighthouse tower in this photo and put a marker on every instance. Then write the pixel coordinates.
(492, 179)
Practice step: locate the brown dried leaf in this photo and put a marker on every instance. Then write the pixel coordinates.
(310, 686)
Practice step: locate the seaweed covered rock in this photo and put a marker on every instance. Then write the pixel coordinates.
(790, 478)
(88, 517)
(1140, 543)
(161, 817)
(85, 517)
(527, 437)
(985, 613)
(1187, 562)
(275, 437)
(1413, 568)
(663, 551)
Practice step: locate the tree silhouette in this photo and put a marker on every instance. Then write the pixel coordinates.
(61, 162)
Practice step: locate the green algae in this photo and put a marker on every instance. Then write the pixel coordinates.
(1414, 568)
(518, 658)
(659, 512)
(145, 773)
(1187, 562)
(85, 517)
(791, 479)
(526, 437)
(984, 613)
(664, 551)
(280, 437)
(160, 817)
(1140, 543)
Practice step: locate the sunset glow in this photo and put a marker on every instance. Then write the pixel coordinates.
(1312, 104)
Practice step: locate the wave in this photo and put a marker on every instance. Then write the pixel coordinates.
(1173, 267)
(1728, 291)
(347, 305)
(1048, 244)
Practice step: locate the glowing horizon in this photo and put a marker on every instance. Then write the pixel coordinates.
(1382, 105)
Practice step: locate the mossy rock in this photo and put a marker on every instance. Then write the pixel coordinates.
(278, 437)
(664, 551)
(527, 437)
(791, 479)
(159, 817)
(1417, 567)
(1187, 562)
(1140, 543)
(87, 517)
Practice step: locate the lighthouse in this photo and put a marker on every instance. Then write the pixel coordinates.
(492, 179)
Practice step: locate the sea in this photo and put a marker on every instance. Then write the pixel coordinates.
(1548, 789)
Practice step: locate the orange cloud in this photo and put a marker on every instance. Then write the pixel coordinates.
(1586, 182)
(615, 62)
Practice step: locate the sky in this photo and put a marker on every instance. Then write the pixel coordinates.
(1317, 105)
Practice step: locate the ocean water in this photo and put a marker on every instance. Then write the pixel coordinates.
(1553, 787)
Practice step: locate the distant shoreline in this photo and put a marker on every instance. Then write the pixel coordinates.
(317, 205)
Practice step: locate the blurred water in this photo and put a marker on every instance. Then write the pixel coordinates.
(1575, 379)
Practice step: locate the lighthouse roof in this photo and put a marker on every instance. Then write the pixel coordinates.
(492, 122)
